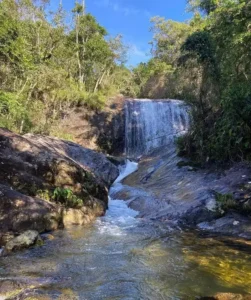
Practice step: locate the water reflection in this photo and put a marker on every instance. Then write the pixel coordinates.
(226, 260)
(120, 257)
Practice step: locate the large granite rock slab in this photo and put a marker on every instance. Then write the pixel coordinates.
(33, 167)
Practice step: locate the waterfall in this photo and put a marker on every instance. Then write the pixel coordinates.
(153, 123)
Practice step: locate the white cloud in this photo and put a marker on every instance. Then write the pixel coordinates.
(137, 55)
(136, 51)
(119, 7)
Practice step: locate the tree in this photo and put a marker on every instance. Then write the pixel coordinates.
(168, 36)
(206, 6)
(46, 67)
(222, 50)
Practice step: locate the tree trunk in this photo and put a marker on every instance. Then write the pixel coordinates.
(80, 78)
(99, 81)
(21, 127)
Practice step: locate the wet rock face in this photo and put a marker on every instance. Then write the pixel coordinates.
(10, 288)
(32, 167)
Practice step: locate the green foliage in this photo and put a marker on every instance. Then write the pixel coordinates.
(78, 8)
(64, 196)
(225, 202)
(124, 80)
(12, 112)
(162, 76)
(206, 6)
(168, 36)
(67, 198)
(200, 44)
(207, 63)
(145, 72)
(221, 126)
(47, 67)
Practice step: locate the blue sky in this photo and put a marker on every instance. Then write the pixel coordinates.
(131, 18)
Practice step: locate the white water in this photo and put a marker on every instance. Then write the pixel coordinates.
(153, 123)
(119, 215)
(118, 219)
(126, 170)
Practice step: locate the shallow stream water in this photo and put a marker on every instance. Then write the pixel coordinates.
(123, 257)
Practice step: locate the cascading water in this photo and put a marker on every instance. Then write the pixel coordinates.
(123, 257)
(153, 123)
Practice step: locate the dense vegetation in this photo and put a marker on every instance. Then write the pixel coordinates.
(51, 62)
(48, 66)
(207, 62)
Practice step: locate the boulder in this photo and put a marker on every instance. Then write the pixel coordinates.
(84, 215)
(230, 224)
(19, 213)
(94, 162)
(24, 240)
(33, 168)
(31, 163)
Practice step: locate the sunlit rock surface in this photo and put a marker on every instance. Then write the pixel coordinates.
(32, 167)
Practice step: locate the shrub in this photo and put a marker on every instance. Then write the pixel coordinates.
(67, 198)
(225, 202)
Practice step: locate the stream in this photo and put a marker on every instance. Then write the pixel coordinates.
(121, 256)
